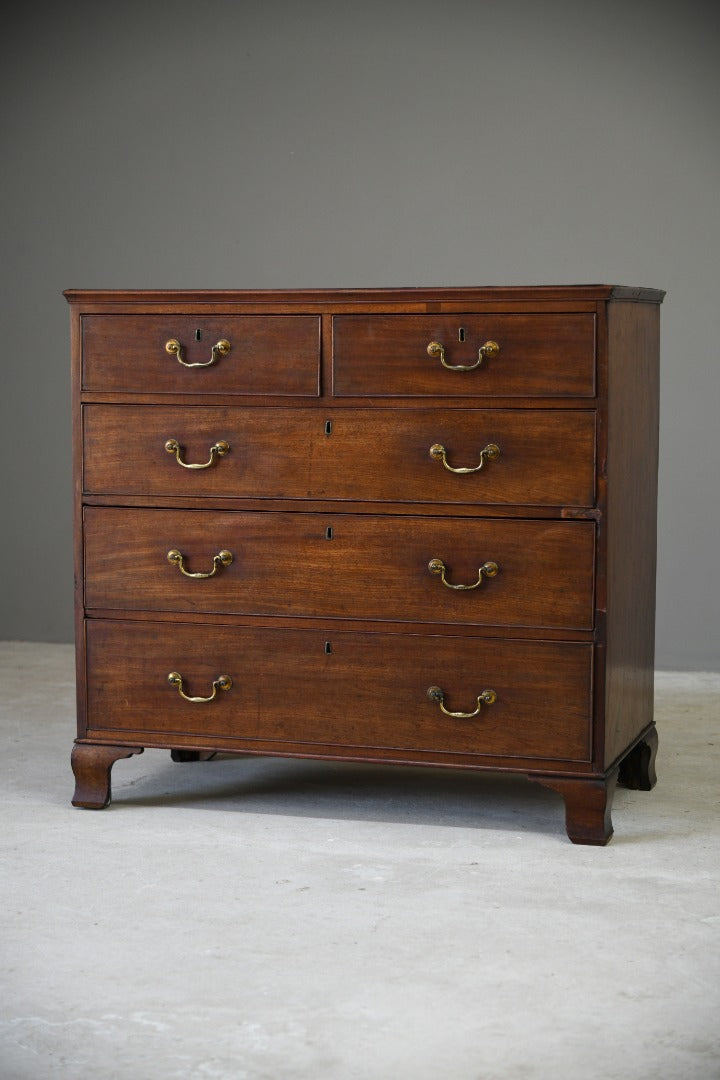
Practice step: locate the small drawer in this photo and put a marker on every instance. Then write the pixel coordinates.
(342, 566)
(533, 355)
(202, 354)
(509, 457)
(307, 691)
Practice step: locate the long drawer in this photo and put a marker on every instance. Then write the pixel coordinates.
(531, 458)
(523, 355)
(202, 354)
(302, 690)
(525, 573)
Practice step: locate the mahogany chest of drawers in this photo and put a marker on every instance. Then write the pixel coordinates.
(401, 525)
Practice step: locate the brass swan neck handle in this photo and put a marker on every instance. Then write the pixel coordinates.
(218, 450)
(222, 682)
(485, 697)
(488, 569)
(490, 348)
(220, 348)
(176, 558)
(489, 453)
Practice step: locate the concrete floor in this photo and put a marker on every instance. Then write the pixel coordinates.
(269, 919)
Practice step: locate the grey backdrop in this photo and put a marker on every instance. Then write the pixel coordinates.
(271, 144)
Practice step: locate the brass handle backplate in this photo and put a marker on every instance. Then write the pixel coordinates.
(223, 558)
(218, 450)
(221, 348)
(437, 566)
(223, 682)
(485, 697)
(490, 348)
(488, 453)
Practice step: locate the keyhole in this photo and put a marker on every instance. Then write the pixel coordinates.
(328, 427)
(198, 335)
(329, 533)
(461, 333)
(328, 648)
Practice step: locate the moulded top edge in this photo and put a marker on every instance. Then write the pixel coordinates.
(379, 295)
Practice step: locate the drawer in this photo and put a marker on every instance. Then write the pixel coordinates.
(540, 355)
(290, 694)
(546, 457)
(342, 566)
(278, 354)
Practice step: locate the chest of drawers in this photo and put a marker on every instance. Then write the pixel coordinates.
(403, 525)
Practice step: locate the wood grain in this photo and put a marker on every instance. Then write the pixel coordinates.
(342, 566)
(184, 299)
(588, 806)
(372, 454)
(269, 354)
(92, 766)
(540, 354)
(369, 690)
(330, 405)
(632, 464)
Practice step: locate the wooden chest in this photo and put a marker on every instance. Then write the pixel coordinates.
(402, 525)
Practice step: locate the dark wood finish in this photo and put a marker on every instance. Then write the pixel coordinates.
(631, 530)
(637, 769)
(349, 506)
(371, 454)
(78, 553)
(547, 355)
(342, 566)
(339, 404)
(92, 766)
(332, 643)
(269, 354)
(293, 622)
(185, 299)
(369, 690)
(588, 806)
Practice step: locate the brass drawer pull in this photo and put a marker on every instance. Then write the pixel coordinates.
(437, 566)
(223, 682)
(490, 348)
(223, 558)
(221, 348)
(218, 450)
(486, 697)
(488, 453)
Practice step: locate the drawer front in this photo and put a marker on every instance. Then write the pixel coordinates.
(539, 355)
(277, 354)
(370, 690)
(535, 573)
(545, 457)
